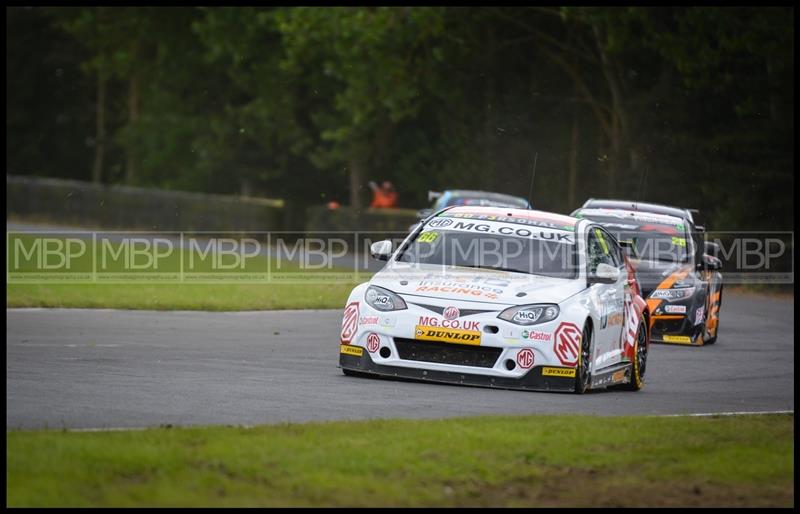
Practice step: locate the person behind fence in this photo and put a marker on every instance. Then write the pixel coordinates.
(383, 196)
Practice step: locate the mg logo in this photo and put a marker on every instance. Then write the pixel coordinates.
(373, 342)
(451, 313)
(349, 322)
(525, 358)
(440, 222)
(567, 344)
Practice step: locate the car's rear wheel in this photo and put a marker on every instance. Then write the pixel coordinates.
(639, 360)
(582, 375)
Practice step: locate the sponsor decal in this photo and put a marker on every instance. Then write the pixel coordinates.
(619, 376)
(525, 358)
(368, 320)
(351, 350)
(428, 237)
(539, 220)
(567, 345)
(631, 324)
(440, 222)
(451, 313)
(675, 309)
(558, 372)
(462, 290)
(698, 315)
(678, 339)
(535, 335)
(349, 322)
(373, 342)
(447, 335)
(431, 321)
(678, 241)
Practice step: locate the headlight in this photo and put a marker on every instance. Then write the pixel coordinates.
(383, 299)
(530, 314)
(671, 295)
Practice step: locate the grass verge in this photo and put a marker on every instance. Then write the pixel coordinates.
(111, 274)
(207, 297)
(481, 461)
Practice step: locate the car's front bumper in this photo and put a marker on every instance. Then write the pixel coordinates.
(538, 378)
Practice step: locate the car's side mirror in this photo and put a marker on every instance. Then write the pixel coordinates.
(709, 262)
(381, 250)
(710, 248)
(424, 213)
(629, 246)
(604, 274)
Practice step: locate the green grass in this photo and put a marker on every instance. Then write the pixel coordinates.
(482, 461)
(189, 282)
(207, 297)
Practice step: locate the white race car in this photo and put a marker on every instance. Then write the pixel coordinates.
(500, 297)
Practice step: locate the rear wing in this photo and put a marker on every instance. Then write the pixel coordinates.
(433, 195)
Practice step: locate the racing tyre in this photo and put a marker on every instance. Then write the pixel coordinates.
(582, 375)
(639, 361)
(712, 340)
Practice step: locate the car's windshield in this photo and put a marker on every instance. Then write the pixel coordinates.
(653, 240)
(491, 245)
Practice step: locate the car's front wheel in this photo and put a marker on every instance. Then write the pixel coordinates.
(582, 375)
(713, 339)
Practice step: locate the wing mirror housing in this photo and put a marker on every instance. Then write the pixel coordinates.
(709, 262)
(381, 250)
(604, 274)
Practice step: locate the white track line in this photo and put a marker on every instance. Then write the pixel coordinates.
(708, 414)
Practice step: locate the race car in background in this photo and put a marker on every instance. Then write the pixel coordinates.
(500, 297)
(453, 197)
(681, 282)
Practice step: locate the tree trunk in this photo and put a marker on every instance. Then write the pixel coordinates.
(133, 119)
(100, 130)
(355, 182)
(489, 119)
(573, 153)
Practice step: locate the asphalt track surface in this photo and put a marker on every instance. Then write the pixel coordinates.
(77, 368)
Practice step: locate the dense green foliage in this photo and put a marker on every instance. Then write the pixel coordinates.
(683, 105)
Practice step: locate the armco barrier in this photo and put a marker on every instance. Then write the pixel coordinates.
(112, 206)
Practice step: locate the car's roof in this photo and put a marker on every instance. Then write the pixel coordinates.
(639, 206)
(471, 192)
(559, 221)
(623, 214)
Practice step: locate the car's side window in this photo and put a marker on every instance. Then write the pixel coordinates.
(598, 250)
(615, 249)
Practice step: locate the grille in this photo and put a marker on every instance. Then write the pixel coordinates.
(447, 353)
(668, 326)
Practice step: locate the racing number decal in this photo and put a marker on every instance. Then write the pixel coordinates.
(349, 322)
(567, 345)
